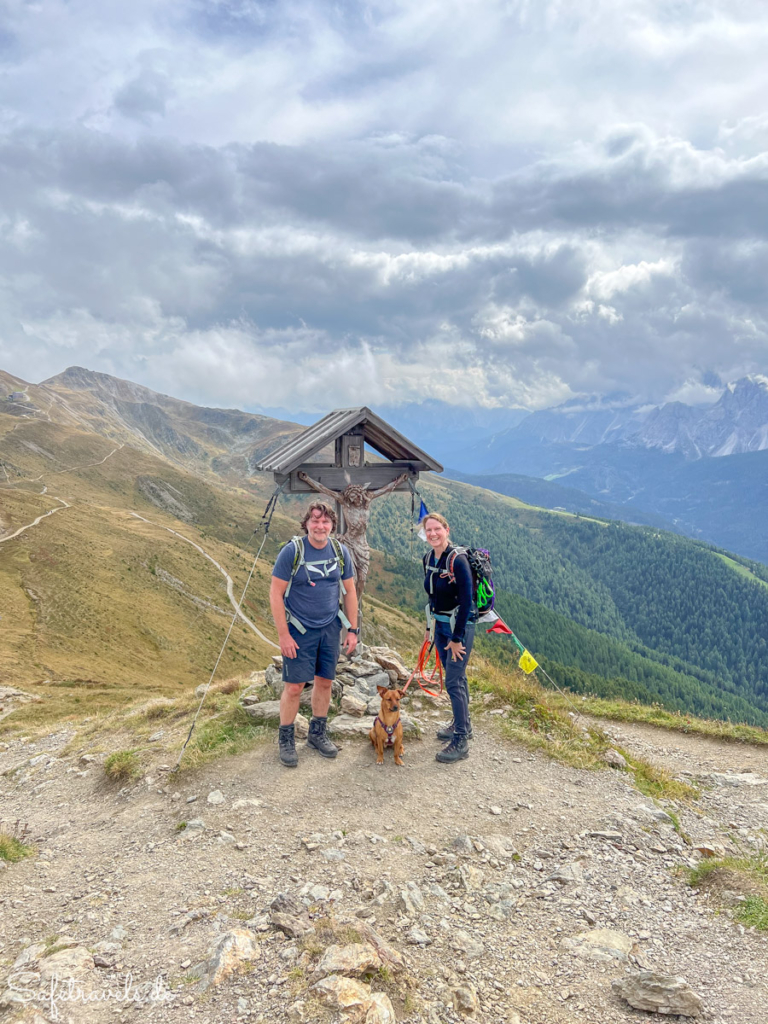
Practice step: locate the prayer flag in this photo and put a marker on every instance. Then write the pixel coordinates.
(423, 513)
(527, 662)
(500, 626)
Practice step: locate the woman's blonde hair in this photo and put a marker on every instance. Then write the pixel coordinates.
(440, 519)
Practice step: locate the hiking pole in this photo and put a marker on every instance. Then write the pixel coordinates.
(266, 522)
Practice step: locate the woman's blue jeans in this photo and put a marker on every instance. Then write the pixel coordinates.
(456, 675)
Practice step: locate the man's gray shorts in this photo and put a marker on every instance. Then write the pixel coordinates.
(317, 654)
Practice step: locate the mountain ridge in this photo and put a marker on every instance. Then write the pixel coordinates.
(736, 423)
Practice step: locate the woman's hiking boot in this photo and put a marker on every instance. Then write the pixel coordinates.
(457, 750)
(318, 740)
(445, 732)
(286, 745)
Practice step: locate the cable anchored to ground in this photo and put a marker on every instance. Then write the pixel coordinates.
(265, 523)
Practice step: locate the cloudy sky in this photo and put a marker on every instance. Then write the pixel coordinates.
(307, 204)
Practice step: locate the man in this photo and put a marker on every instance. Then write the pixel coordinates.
(356, 501)
(305, 607)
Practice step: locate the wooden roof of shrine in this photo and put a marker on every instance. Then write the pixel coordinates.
(376, 432)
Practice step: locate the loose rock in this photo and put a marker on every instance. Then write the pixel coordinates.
(465, 999)
(600, 944)
(660, 993)
(354, 960)
(344, 994)
(232, 950)
(381, 1010)
(615, 759)
(290, 916)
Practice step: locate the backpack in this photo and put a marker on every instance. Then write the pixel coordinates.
(483, 590)
(299, 560)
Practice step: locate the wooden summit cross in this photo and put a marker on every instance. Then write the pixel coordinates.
(349, 480)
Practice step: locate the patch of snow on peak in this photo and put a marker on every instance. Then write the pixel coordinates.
(729, 446)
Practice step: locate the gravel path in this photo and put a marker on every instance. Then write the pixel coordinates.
(423, 854)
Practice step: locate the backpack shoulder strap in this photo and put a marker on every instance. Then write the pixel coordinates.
(339, 550)
(451, 560)
(298, 553)
(298, 561)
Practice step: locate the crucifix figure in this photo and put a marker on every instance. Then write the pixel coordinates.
(355, 500)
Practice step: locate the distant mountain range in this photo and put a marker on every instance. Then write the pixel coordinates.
(736, 423)
(227, 442)
(560, 498)
(703, 470)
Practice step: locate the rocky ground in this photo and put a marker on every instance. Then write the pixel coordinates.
(504, 888)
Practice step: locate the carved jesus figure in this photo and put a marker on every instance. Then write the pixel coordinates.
(356, 501)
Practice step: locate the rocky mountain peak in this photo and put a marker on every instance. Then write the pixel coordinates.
(105, 386)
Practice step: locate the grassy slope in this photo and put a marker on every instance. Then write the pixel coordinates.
(741, 569)
(91, 615)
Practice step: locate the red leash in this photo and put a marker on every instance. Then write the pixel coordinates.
(422, 668)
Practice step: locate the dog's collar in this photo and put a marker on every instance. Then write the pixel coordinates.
(388, 729)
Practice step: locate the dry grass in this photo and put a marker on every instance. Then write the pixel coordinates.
(89, 624)
(229, 732)
(222, 729)
(544, 721)
(229, 686)
(674, 721)
(740, 882)
(123, 766)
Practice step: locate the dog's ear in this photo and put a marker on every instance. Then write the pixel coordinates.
(400, 694)
(382, 690)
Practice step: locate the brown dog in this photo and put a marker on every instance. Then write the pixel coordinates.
(387, 728)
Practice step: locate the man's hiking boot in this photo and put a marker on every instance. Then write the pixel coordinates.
(445, 732)
(457, 750)
(318, 740)
(286, 745)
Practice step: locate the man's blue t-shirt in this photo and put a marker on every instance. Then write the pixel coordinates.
(314, 596)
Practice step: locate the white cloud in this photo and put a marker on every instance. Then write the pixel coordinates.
(694, 392)
(251, 203)
(605, 284)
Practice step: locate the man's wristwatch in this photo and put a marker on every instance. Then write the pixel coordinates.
(350, 629)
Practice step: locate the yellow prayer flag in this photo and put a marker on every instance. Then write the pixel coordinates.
(527, 662)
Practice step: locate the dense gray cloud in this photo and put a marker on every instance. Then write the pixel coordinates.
(300, 204)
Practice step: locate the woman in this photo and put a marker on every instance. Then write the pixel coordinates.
(448, 581)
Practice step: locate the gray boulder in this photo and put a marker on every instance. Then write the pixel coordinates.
(659, 993)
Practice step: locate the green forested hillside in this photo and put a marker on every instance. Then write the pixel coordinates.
(680, 598)
(524, 560)
(613, 609)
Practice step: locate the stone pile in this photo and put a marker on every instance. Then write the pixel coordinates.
(356, 699)
(340, 979)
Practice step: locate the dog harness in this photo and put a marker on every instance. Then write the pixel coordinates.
(388, 729)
